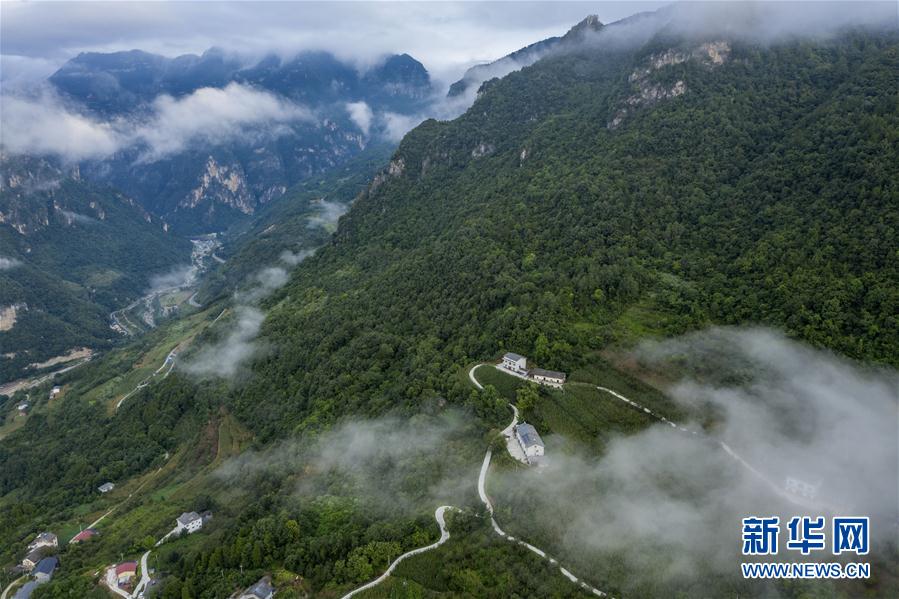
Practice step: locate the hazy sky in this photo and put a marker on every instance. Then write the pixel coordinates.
(36, 37)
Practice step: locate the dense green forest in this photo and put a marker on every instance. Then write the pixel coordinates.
(82, 252)
(758, 188)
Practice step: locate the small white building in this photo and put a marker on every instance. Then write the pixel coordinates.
(515, 363)
(106, 487)
(189, 521)
(54, 392)
(551, 378)
(23, 407)
(45, 539)
(530, 442)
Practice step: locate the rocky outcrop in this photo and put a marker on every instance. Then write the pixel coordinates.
(221, 184)
(648, 92)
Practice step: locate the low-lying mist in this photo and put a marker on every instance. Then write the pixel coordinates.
(392, 464)
(671, 503)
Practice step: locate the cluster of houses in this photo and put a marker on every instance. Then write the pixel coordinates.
(518, 365)
(38, 564)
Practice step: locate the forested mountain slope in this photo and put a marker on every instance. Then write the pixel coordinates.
(76, 252)
(605, 194)
(599, 195)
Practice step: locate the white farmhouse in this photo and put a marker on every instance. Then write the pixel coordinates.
(551, 378)
(189, 521)
(515, 363)
(530, 442)
(106, 487)
(45, 539)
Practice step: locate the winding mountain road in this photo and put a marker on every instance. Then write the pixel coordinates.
(439, 515)
(169, 361)
(482, 492)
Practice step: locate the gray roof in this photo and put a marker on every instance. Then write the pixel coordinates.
(188, 517)
(514, 357)
(550, 373)
(35, 554)
(46, 566)
(528, 435)
(106, 487)
(44, 537)
(261, 589)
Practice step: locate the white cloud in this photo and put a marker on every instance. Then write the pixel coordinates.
(9, 263)
(328, 214)
(226, 357)
(214, 116)
(294, 258)
(42, 124)
(395, 125)
(361, 115)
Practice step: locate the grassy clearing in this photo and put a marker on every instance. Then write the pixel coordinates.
(14, 421)
(602, 373)
(506, 384)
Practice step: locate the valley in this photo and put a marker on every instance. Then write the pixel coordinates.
(265, 339)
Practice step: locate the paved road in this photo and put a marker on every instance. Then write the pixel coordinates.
(144, 575)
(485, 499)
(10, 585)
(444, 536)
(169, 361)
(113, 584)
(471, 376)
(482, 492)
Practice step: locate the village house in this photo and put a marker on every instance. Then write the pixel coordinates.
(106, 487)
(551, 378)
(515, 363)
(125, 573)
(263, 589)
(34, 556)
(23, 407)
(191, 521)
(45, 539)
(45, 568)
(530, 442)
(85, 535)
(54, 392)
